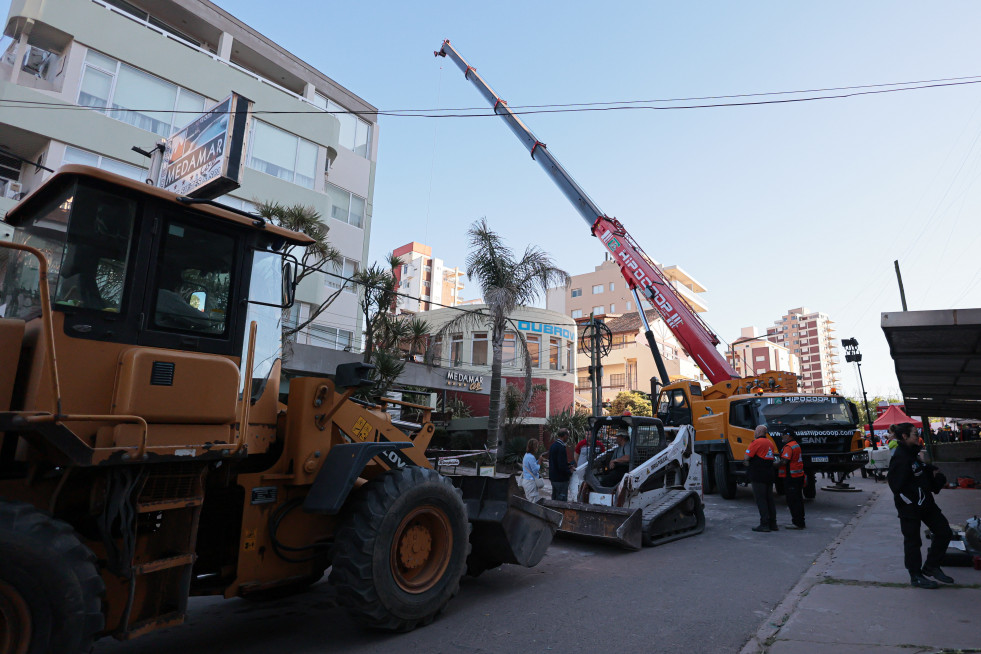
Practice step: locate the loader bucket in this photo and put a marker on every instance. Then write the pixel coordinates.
(608, 524)
(505, 528)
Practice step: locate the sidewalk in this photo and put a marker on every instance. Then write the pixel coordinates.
(856, 597)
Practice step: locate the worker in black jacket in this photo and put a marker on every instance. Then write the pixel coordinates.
(913, 484)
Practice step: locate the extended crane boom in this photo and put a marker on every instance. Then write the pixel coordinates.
(639, 270)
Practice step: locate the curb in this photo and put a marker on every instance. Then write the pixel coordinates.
(815, 575)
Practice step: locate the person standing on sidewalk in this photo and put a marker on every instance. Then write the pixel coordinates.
(913, 484)
(760, 459)
(559, 468)
(792, 473)
(531, 478)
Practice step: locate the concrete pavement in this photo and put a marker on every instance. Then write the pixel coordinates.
(856, 596)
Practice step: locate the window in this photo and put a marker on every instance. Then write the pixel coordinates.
(123, 92)
(346, 268)
(278, 153)
(613, 287)
(93, 269)
(331, 337)
(355, 134)
(478, 351)
(553, 353)
(456, 349)
(630, 306)
(577, 313)
(597, 289)
(598, 311)
(613, 307)
(761, 358)
(576, 292)
(78, 156)
(345, 206)
(534, 349)
(425, 283)
(510, 350)
(194, 276)
(569, 350)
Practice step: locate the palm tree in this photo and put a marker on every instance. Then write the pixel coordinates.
(506, 283)
(417, 337)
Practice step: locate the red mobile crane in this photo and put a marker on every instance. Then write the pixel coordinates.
(826, 426)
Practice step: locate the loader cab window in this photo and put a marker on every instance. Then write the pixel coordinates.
(673, 408)
(266, 286)
(45, 230)
(193, 280)
(97, 253)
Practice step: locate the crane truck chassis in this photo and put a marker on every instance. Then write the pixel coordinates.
(145, 455)
(834, 442)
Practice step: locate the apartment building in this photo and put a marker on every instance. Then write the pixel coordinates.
(83, 81)
(752, 354)
(811, 336)
(428, 282)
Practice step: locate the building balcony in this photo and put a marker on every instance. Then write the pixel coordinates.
(691, 297)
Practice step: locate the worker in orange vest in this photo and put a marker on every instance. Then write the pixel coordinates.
(791, 471)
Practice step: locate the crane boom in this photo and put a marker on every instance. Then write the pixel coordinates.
(638, 269)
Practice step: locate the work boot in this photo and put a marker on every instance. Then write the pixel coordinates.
(794, 527)
(937, 574)
(917, 580)
(774, 527)
(762, 528)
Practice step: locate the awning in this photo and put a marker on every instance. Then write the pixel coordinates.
(938, 360)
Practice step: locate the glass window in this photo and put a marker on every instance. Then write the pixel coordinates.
(266, 285)
(189, 106)
(96, 88)
(510, 351)
(456, 349)
(194, 276)
(361, 138)
(613, 286)
(613, 307)
(93, 269)
(569, 351)
(136, 90)
(534, 349)
(355, 134)
(345, 206)
(576, 292)
(306, 163)
(554, 346)
(598, 311)
(278, 153)
(78, 156)
(478, 352)
(597, 289)
(577, 313)
(343, 270)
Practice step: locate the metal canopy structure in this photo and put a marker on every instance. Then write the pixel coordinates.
(938, 360)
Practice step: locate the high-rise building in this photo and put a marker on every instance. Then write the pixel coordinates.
(113, 74)
(752, 354)
(810, 336)
(426, 283)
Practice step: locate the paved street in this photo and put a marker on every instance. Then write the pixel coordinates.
(709, 593)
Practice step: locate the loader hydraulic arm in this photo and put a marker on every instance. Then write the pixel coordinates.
(639, 270)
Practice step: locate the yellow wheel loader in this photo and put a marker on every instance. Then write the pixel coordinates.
(145, 455)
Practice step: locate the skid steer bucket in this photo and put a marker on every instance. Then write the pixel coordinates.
(506, 528)
(608, 524)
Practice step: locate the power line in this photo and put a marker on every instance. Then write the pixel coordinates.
(651, 105)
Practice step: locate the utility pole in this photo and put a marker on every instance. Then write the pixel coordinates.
(852, 354)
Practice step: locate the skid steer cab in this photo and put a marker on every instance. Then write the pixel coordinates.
(636, 487)
(145, 455)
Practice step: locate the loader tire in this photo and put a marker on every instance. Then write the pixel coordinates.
(50, 589)
(724, 481)
(401, 550)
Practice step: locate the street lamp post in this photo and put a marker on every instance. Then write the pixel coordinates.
(852, 354)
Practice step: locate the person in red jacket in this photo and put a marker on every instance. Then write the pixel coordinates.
(791, 471)
(760, 459)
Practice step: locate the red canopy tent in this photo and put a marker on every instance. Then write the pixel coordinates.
(892, 416)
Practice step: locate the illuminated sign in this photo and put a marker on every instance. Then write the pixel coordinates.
(205, 159)
(473, 383)
(539, 328)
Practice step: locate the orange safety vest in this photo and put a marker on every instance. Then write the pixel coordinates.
(791, 452)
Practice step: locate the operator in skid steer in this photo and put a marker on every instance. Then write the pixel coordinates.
(618, 461)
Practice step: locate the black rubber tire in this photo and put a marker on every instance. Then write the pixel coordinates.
(810, 488)
(46, 569)
(708, 475)
(367, 582)
(724, 482)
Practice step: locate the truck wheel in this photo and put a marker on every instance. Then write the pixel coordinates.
(50, 589)
(724, 481)
(401, 550)
(708, 475)
(810, 488)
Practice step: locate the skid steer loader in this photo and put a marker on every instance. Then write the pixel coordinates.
(145, 455)
(657, 499)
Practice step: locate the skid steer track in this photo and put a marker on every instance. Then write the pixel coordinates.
(678, 514)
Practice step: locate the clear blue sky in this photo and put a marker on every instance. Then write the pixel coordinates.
(769, 207)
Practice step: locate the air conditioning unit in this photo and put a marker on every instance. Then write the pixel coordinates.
(12, 191)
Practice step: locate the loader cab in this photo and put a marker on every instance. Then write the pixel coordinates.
(674, 406)
(132, 267)
(646, 437)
